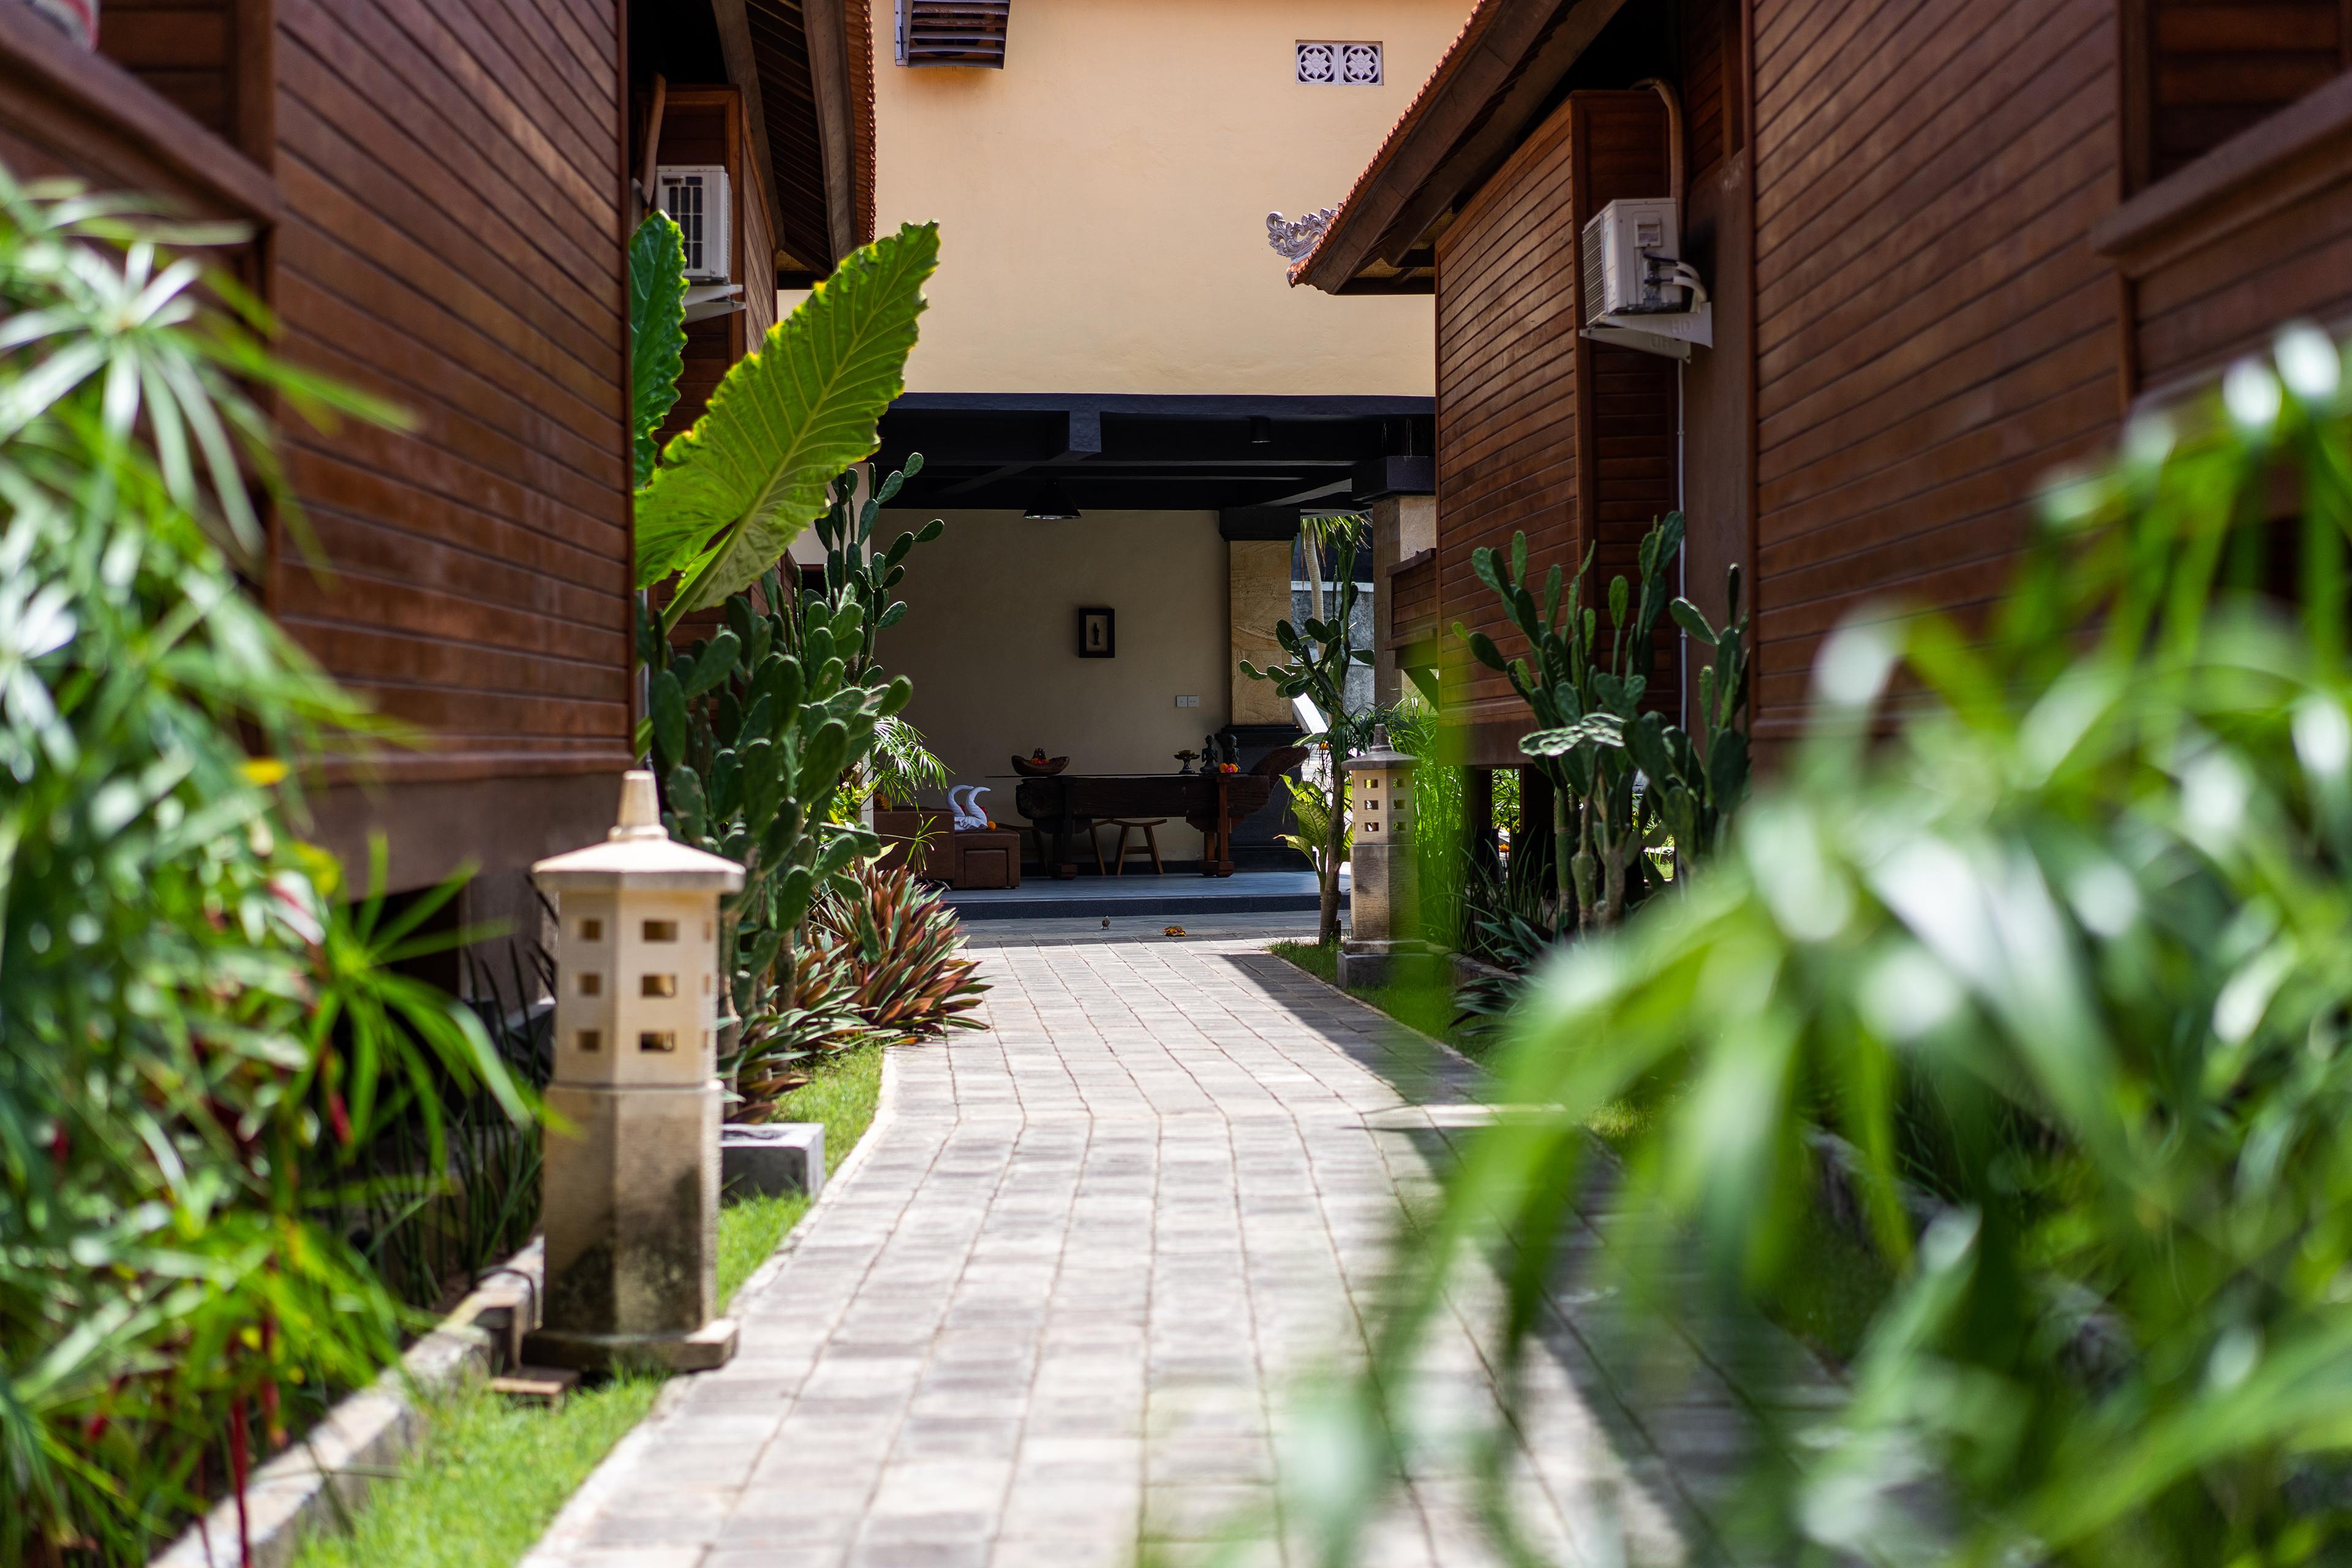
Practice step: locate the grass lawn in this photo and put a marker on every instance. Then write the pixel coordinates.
(1845, 1282)
(1428, 1008)
(490, 1475)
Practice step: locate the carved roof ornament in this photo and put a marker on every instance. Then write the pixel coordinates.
(1293, 237)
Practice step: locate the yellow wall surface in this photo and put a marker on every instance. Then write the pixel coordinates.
(1258, 596)
(1102, 198)
(991, 642)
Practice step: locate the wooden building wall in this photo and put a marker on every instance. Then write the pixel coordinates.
(67, 112)
(706, 125)
(188, 51)
(453, 186)
(1539, 429)
(1934, 331)
(1718, 225)
(437, 190)
(2270, 243)
(2216, 69)
(2240, 126)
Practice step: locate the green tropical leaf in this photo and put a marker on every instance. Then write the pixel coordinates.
(657, 331)
(1595, 730)
(732, 493)
(1688, 615)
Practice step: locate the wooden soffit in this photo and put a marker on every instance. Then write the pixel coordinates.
(806, 70)
(1485, 95)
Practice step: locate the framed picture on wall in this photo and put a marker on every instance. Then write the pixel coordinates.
(1098, 633)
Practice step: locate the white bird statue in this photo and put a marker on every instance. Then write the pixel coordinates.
(963, 805)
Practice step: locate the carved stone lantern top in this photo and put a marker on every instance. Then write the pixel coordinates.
(638, 852)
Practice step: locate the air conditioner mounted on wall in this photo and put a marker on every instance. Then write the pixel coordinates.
(696, 198)
(1638, 292)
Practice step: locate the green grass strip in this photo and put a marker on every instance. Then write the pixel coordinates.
(491, 1475)
(1844, 1282)
(1428, 1008)
(841, 1094)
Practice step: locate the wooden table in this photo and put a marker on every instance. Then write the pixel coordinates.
(1067, 805)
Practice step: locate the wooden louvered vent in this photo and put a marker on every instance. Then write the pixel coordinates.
(952, 32)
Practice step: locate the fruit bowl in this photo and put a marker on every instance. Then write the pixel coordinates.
(1039, 767)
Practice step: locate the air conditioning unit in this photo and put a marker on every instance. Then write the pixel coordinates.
(696, 198)
(1637, 290)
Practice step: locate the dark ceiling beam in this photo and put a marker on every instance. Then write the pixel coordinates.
(1082, 437)
(993, 439)
(1322, 492)
(743, 70)
(965, 487)
(1466, 167)
(1171, 405)
(836, 120)
(1200, 441)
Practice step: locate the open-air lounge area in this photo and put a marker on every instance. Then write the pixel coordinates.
(1115, 784)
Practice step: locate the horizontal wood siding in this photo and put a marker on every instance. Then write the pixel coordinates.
(2217, 66)
(2199, 304)
(706, 125)
(1933, 333)
(65, 112)
(1710, 128)
(788, 105)
(1538, 431)
(1413, 601)
(452, 178)
(1507, 390)
(185, 50)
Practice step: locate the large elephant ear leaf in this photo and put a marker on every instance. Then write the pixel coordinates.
(732, 493)
(657, 331)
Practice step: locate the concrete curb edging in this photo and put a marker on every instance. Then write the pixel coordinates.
(316, 1483)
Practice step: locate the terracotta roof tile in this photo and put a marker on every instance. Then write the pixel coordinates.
(1447, 63)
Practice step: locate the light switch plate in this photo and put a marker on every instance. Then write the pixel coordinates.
(1188, 702)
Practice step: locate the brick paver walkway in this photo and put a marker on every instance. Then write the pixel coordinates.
(1059, 1299)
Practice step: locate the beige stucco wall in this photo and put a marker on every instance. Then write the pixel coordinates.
(1258, 597)
(991, 642)
(1102, 198)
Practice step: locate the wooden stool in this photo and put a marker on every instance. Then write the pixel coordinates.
(1151, 842)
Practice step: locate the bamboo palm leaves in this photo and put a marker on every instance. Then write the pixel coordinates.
(197, 1024)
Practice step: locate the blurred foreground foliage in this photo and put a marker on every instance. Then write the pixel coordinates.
(2048, 919)
(198, 1033)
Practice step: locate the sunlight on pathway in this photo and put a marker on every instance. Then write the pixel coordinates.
(1060, 1298)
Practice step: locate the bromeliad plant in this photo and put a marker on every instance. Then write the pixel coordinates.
(198, 1027)
(1321, 654)
(2064, 937)
(1617, 772)
(900, 951)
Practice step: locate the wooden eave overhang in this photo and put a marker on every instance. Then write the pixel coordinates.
(1487, 91)
(805, 68)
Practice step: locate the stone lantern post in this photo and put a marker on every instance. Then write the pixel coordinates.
(630, 1184)
(1383, 890)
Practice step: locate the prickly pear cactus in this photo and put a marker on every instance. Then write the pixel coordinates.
(1621, 777)
(750, 739)
(754, 731)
